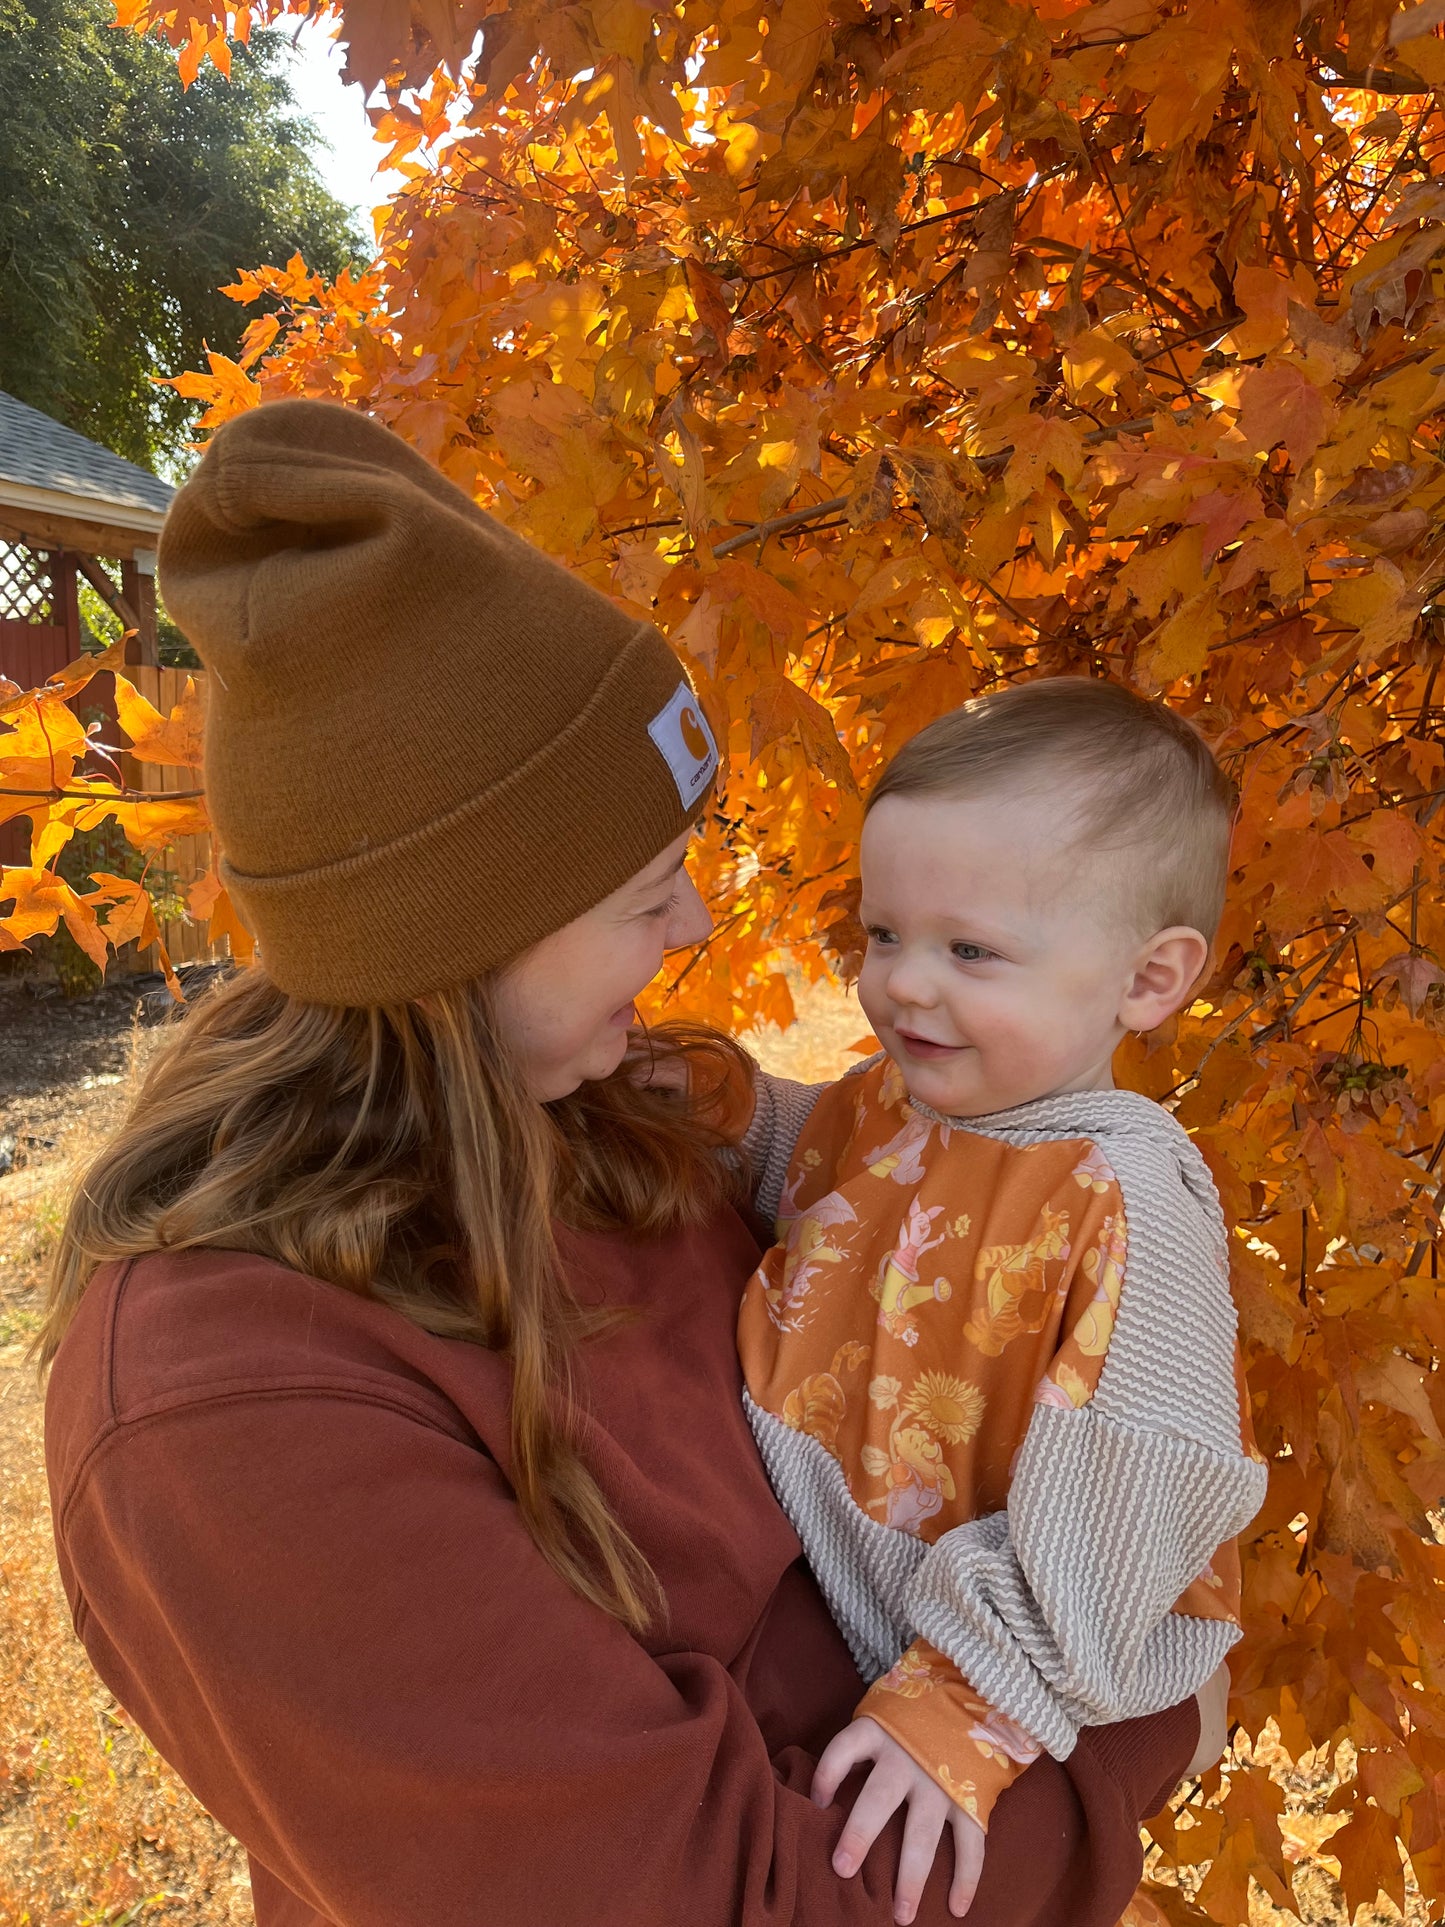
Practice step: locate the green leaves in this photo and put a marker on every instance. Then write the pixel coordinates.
(127, 202)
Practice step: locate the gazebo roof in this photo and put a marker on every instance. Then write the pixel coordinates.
(56, 485)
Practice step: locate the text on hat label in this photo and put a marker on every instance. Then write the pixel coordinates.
(681, 733)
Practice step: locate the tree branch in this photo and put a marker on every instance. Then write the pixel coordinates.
(795, 518)
(760, 531)
(99, 796)
(1375, 80)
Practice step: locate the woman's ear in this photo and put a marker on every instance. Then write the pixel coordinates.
(1164, 973)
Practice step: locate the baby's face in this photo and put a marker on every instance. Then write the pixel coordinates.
(997, 966)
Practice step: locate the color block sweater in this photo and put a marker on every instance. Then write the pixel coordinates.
(992, 1370)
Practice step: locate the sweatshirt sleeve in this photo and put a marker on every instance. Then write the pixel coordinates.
(1082, 1601)
(781, 1109)
(927, 1703)
(972, 1750)
(325, 1613)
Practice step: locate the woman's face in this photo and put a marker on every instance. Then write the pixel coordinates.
(566, 1004)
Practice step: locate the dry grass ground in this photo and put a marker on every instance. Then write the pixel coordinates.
(94, 1828)
(95, 1831)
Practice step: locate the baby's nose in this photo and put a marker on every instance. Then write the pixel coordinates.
(909, 983)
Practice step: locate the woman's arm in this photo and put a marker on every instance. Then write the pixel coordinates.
(323, 1609)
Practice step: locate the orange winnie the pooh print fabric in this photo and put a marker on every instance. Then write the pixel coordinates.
(932, 1287)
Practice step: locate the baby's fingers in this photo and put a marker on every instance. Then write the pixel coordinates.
(856, 1743)
(922, 1831)
(883, 1793)
(968, 1846)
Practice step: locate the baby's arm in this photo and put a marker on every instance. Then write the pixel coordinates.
(928, 1729)
(896, 1780)
(1093, 1596)
(781, 1108)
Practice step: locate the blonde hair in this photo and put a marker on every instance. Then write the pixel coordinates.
(1134, 778)
(396, 1153)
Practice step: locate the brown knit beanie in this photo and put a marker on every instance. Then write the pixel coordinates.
(427, 744)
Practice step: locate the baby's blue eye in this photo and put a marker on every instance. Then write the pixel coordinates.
(875, 933)
(970, 952)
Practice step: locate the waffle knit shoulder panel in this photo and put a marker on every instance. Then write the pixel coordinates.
(781, 1108)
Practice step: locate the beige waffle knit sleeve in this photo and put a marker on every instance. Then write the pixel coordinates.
(1060, 1609)
(781, 1109)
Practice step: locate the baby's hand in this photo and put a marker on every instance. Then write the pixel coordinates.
(896, 1780)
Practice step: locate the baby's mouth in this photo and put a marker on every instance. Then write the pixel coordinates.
(926, 1046)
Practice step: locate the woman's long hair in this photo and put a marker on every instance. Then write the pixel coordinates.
(396, 1152)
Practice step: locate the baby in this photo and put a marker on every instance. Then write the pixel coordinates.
(991, 1363)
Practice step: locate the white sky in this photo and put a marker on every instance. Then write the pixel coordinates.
(346, 159)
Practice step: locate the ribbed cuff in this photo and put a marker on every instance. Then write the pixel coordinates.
(972, 1784)
(1132, 1753)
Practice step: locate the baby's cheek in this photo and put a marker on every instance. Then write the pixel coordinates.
(871, 1001)
(1007, 1024)
(1023, 1054)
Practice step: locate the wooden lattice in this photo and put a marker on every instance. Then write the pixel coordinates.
(25, 588)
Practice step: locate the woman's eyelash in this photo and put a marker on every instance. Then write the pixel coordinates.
(663, 909)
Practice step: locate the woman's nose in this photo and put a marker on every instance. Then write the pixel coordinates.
(691, 920)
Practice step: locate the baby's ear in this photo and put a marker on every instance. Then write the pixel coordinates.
(1165, 971)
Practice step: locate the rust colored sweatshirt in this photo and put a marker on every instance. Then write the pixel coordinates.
(291, 1551)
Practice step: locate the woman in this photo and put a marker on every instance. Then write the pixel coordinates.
(401, 1489)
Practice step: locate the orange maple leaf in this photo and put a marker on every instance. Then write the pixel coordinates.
(41, 900)
(173, 741)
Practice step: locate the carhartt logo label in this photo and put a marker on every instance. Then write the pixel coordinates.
(681, 733)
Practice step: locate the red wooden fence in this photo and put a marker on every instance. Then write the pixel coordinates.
(189, 857)
(30, 654)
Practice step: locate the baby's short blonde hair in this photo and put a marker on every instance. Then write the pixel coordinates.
(1133, 781)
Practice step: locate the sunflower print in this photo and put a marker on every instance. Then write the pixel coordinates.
(949, 1407)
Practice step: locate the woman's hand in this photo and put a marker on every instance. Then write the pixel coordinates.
(897, 1780)
(1213, 1698)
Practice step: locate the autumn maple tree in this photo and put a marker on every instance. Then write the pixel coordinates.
(886, 352)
